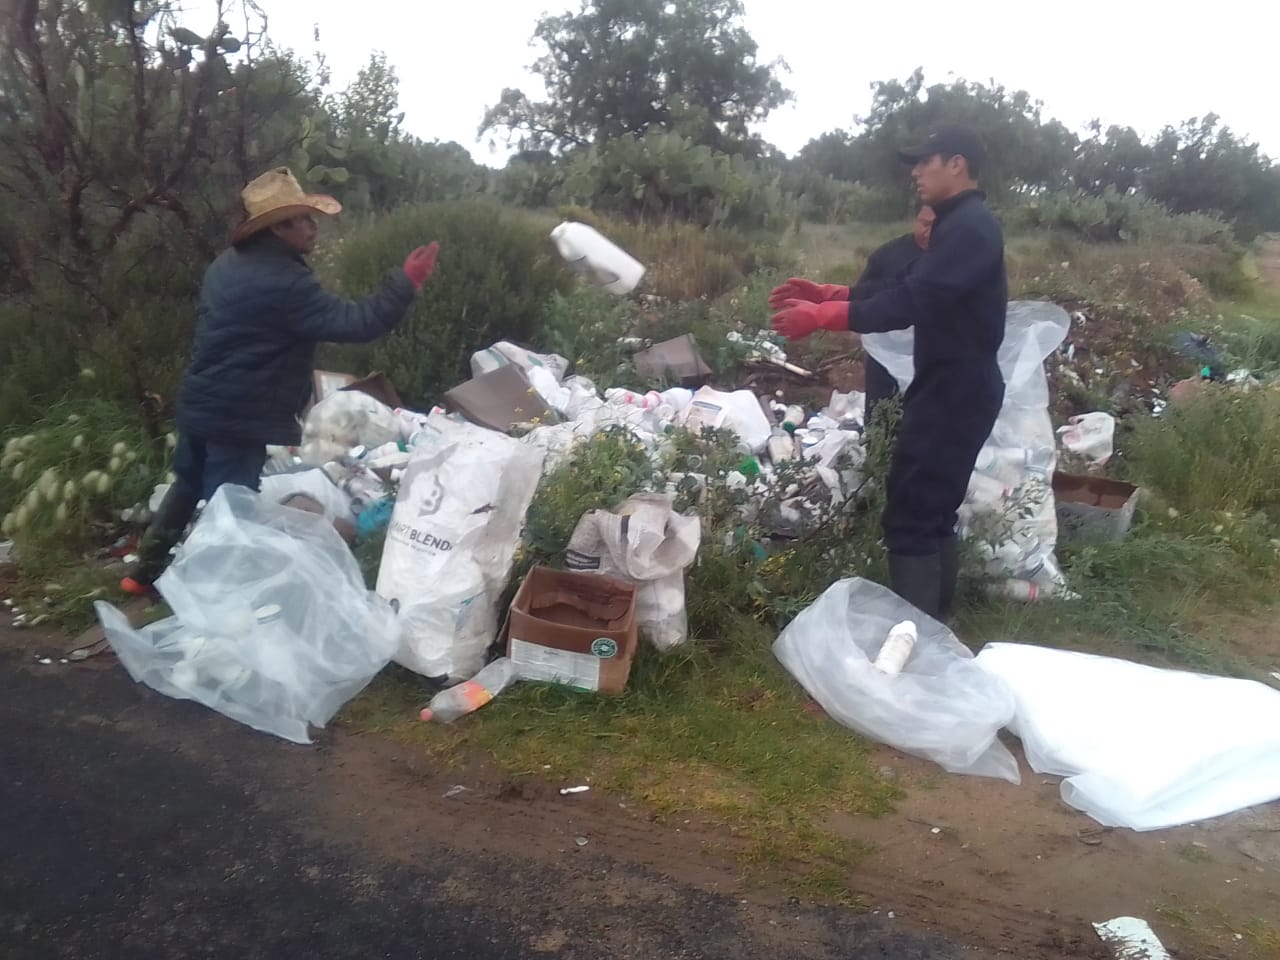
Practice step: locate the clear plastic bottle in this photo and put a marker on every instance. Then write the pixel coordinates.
(468, 697)
(782, 445)
(793, 418)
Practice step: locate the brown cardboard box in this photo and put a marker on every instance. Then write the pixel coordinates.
(676, 361)
(1093, 507)
(578, 629)
(499, 400)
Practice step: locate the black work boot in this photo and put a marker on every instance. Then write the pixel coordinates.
(166, 529)
(917, 580)
(949, 557)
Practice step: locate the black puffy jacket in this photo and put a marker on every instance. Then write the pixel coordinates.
(262, 311)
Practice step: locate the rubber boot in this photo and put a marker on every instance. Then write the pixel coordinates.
(917, 580)
(163, 534)
(949, 558)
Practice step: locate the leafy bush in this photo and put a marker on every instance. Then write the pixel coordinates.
(1113, 216)
(77, 466)
(496, 274)
(1216, 454)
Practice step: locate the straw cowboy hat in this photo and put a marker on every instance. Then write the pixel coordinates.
(275, 197)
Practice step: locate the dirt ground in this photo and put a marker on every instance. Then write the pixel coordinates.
(1009, 869)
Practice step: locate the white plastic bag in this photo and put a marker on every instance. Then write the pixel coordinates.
(942, 706)
(1009, 509)
(647, 543)
(1141, 747)
(346, 419)
(452, 539)
(738, 411)
(1091, 435)
(273, 625)
(503, 353)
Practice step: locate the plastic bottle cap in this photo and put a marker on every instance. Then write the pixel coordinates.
(425, 714)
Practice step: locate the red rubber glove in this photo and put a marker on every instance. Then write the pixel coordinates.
(420, 264)
(799, 318)
(798, 288)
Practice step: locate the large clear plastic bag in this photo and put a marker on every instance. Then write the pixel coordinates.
(1141, 747)
(452, 541)
(942, 706)
(1009, 510)
(273, 625)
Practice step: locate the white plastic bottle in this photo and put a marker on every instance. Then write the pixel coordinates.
(448, 705)
(596, 258)
(897, 648)
(782, 445)
(793, 418)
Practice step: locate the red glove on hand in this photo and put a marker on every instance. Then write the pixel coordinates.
(799, 318)
(798, 288)
(420, 264)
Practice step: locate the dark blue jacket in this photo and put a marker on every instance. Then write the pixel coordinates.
(262, 311)
(955, 296)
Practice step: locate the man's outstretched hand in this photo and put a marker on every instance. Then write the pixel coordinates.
(799, 318)
(798, 288)
(420, 264)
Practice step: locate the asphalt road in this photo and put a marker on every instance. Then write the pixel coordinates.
(136, 826)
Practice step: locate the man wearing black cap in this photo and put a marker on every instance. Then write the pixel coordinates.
(955, 297)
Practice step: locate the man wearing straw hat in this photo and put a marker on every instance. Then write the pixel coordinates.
(261, 313)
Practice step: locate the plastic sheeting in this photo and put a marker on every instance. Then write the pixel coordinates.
(1141, 747)
(273, 625)
(942, 706)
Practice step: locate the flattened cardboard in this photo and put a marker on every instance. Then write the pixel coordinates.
(499, 400)
(1093, 507)
(378, 386)
(582, 624)
(325, 383)
(676, 361)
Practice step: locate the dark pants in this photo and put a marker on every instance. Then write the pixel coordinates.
(201, 467)
(944, 426)
(880, 385)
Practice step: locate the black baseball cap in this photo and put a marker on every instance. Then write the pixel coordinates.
(948, 141)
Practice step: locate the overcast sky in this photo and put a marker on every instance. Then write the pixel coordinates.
(1131, 62)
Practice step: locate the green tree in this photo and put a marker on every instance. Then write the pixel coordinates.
(621, 67)
(124, 139)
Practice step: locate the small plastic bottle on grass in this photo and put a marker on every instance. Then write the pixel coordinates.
(448, 705)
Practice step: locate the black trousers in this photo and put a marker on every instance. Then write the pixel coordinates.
(201, 467)
(946, 420)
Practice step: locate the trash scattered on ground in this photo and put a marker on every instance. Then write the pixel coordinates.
(941, 706)
(455, 792)
(1131, 939)
(470, 695)
(569, 791)
(574, 629)
(273, 625)
(581, 841)
(1141, 747)
(500, 400)
(1090, 435)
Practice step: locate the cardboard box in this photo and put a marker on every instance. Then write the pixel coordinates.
(676, 361)
(499, 400)
(1093, 508)
(577, 629)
